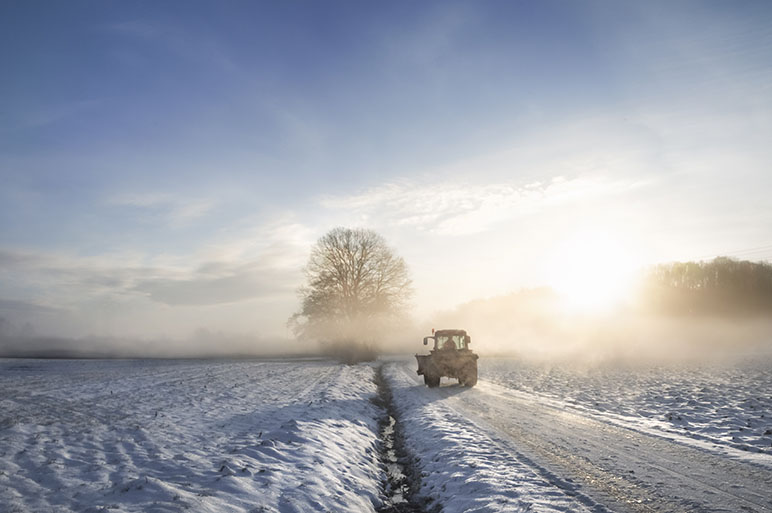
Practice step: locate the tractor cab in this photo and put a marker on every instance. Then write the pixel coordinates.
(449, 340)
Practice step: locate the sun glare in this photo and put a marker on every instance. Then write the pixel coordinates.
(591, 271)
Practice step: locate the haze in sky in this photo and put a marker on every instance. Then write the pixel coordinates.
(167, 166)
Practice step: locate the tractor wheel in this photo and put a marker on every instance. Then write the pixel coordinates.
(469, 376)
(431, 381)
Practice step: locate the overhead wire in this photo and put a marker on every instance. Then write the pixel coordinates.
(759, 250)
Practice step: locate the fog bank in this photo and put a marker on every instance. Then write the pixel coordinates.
(17, 343)
(535, 325)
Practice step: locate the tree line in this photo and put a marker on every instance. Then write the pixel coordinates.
(723, 286)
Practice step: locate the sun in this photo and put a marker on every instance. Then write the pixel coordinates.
(591, 271)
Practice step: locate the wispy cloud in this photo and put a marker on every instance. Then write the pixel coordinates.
(70, 279)
(194, 46)
(14, 306)
(243, 279)
(142, 29)
(175, 209)
(461, 208)
(424, 41)
(216, 283)
(40, 116)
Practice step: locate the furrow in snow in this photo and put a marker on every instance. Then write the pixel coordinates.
(221, 436)
(464, 468)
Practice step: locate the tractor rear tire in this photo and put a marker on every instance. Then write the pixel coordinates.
(469, 376)
(431, 381)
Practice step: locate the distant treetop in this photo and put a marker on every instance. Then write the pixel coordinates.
(723, 286)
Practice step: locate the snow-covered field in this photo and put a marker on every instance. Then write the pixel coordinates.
(304, 435)
(728, 406)
(160, 435)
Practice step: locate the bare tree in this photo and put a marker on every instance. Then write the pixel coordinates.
(355, 283)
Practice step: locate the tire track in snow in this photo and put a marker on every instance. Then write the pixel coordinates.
(467, 467)
(625, 469)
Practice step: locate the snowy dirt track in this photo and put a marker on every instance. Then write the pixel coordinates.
(496, 448)
(160, 435)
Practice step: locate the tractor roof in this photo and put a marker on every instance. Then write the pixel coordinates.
(449, 333)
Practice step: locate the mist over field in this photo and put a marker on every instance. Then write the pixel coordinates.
(15, 342)
(534, 325)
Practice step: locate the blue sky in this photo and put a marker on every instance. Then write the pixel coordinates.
(166, 166)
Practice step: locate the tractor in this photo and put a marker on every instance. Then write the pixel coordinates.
(450, 357)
